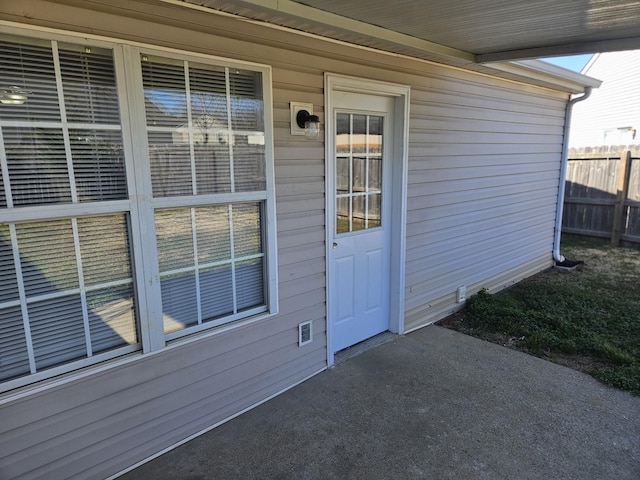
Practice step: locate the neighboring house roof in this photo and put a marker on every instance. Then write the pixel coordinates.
(611, 116)
(465, 33)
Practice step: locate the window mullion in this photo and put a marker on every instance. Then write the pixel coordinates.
(143, 240)
(23, 298)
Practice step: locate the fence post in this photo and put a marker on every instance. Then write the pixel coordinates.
(624, 173)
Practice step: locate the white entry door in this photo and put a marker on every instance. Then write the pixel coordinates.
(359, 257)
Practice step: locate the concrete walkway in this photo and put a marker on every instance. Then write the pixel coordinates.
(433, 404)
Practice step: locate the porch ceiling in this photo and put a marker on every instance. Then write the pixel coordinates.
(478, 31)
(476, 35)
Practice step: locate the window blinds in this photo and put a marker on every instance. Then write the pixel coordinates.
(66, 286)
(206, 135)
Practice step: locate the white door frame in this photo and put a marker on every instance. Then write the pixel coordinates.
(400, 94)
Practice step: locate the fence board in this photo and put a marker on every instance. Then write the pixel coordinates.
(591, 194)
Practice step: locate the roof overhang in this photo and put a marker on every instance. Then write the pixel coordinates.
(492, 36)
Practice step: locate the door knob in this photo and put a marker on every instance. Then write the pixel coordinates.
(335, 245)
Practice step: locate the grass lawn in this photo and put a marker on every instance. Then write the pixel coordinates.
(587, 319)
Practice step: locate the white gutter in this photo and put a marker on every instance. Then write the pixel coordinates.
(556, 77)
(563, 173)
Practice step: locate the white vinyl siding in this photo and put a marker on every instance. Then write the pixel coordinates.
(105, 419)
(611, 114)
(483, 183)
(71, 203)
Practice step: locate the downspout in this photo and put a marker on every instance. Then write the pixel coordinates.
(563, 173)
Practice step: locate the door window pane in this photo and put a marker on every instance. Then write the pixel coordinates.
(375, 174)
(343, 214)
(343, 176)
(373, 211)
(358, 172)
(343, 133)
(359, 212)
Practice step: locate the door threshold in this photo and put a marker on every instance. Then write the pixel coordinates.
(358, 348)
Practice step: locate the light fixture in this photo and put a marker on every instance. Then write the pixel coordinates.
(303, 121)
(310, 123)
(13, 96)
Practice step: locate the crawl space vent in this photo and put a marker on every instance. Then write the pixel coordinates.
(305, 334)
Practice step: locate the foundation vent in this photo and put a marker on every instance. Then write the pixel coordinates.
(305, 333)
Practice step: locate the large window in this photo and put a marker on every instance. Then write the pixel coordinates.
(110, 241)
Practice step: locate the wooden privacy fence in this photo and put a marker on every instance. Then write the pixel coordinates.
(602, 196)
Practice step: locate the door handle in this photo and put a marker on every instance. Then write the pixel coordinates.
(335, 245)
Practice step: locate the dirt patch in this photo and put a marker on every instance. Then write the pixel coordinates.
(582, 363)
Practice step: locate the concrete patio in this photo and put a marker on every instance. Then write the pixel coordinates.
(432, 404)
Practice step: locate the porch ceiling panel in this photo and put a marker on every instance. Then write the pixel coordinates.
(466, 30)
(490, 27)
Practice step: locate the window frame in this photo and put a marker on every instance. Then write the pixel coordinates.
(140, 205)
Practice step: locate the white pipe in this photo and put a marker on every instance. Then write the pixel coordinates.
(563, 173)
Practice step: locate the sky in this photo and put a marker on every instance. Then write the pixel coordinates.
(572, 62)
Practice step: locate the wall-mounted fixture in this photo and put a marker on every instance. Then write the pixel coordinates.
(13, 96)
(303, 121)
(305, 333)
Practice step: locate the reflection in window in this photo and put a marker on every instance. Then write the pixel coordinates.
(358, 172)
(205, 127)
(79, 302)
(211, 262)
(66, 282)
(68, 277)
